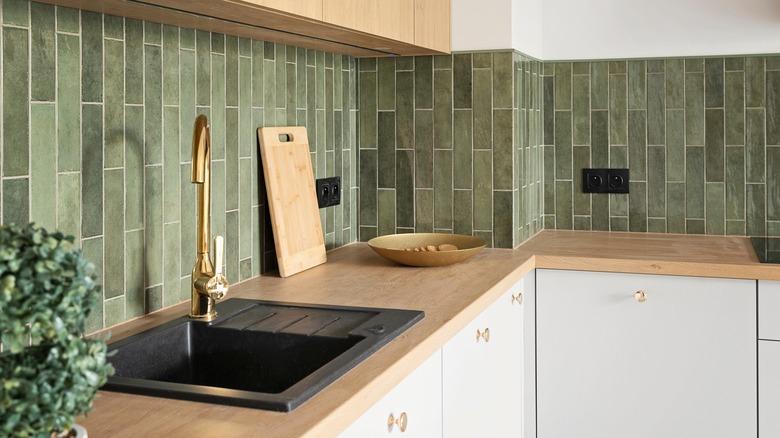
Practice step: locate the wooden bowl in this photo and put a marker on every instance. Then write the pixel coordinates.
(394, 247)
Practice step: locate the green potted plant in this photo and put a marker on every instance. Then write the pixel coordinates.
(50, 371)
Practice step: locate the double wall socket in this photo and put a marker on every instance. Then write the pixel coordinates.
(605, 180)
(328, 191)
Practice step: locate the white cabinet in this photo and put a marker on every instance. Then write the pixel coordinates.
(769, 310)
(768, 389)
(676, 360)
(483, 372)
(415, 407)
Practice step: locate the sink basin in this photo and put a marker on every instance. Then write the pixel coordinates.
(259, 354)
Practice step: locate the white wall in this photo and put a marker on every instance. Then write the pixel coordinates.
(592, 29)
(598, 29)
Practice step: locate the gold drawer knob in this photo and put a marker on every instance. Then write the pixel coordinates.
(483, 335)
(640, 296)
(517, 298)
(401, 422)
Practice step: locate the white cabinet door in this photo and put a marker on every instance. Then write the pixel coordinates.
(768, 389)
(680, 364)
(417, 400)
(769, 310)
(483, 373)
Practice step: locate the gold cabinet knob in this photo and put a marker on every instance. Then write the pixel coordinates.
(640, 296)
(401, 422)
(483, 335)
(517, 298)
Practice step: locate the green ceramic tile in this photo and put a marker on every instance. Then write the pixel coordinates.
(442, 184)
(548, 108)
(114, 27)
(92, 57)
(187, 110)
(599, 82)
(503, 233)
(442, 109)
(187, 38)
(462, 146)
(483, 60)
(502, 80)
(656, 225)
(617, 110)
(483, 112)
(16, 153)
(368, 105)
(694, 178)
(581, 161)
(280, 80)
(245, 47)
(656, 181)
(582, 223)
(68, 104)
(16, 12)
(404, 188)
(735, 64)
(368, 178)
(755, 209)
(232, 240)
(269, 94)
(617, 67)
(188, 219)
(637, 206)
(423, 82)
(171, 165)
(754, 146)
(423, 159)
(93, 252)
(114, 232)
(735, 108)
(258, 73)
(462, 212)
(580, 68)
(134, 273)
(423, 220)
(203, 67)
(563, 205)
(92, 170)
(618, 204)
(656, 66)
(170, 53)
(735, 228)
(694, 65)
(618, 223)
(563, 152)
(442, 61)
(773, 62)
(773, 107)
(134, 168)
(153, 33)
(386, 212)
(153, 105)
(675, 145)
(16, 201)
(218, 225)
(754, 82)
(503, 154)
(549, 179)
(68, 19)
(637, 144)
(656, 104)
(637, 85)
(581, 110)
(134, 70)
(694, 109)
(713, 148)
(675, 83)
(600, 217)
(153, 227)
(69, 204)
(386, 149)
(247, 134)
(245, 208)
(599, 138)
(483, 190)
(43, 171)
(462, 80)
(42, 52)
(735, 183)
(563, 91)
(171, 264)
(713, 82)
(114, 311)
(773, 184)
(675, 210)
(386, 83)
(715, 218)
(695, 226)
(114, 107)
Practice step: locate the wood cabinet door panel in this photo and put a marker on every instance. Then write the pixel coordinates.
(392, 19)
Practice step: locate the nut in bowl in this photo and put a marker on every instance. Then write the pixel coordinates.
(426, 249)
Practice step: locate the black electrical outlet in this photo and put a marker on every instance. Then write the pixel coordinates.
(605, 180)
(328, 191)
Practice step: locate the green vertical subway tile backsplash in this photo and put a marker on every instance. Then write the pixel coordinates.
(441, 141)
(102, 109)
(700, 136)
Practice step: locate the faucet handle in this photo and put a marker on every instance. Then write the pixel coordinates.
(219, 248)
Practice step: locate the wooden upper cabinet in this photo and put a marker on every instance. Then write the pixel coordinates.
(432, 24)
(305, 8)
(393, 19)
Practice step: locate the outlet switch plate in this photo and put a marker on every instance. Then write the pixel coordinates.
(328, 191)
(605, 180)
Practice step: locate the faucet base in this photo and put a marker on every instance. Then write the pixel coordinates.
(207, 317)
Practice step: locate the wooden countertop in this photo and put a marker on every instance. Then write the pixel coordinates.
(450, 296)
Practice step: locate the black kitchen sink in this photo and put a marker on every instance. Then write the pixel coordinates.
(258, 354)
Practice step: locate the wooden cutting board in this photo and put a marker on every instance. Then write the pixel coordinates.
(292, 201)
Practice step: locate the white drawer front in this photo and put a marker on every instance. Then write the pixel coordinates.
(769, 310)
(768, 389)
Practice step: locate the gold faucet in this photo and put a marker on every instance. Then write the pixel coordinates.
(209, 285)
